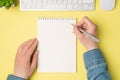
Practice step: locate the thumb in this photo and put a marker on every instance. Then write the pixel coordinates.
(77, 32)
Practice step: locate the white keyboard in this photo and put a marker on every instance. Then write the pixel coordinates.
(56, 5)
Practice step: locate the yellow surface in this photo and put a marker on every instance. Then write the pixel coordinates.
(17, 26)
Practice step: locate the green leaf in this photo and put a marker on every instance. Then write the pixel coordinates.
(7, 4)
(2, 3)
(11, 2)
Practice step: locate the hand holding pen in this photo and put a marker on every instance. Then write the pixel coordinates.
(85, 31)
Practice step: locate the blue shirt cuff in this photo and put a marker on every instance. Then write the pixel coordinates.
(93, 57)
(12, 77)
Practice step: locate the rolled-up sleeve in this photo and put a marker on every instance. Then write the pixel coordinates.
(96, 66)
(11, 77)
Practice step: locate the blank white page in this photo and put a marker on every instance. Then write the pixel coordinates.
(57, 45)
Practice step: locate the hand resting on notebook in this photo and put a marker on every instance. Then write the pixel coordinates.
(26, 59)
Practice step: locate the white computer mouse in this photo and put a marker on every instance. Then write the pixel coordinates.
(107, 4)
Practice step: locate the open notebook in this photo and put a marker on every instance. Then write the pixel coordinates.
(57, 45)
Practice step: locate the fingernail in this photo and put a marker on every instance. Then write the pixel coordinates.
(36, 40)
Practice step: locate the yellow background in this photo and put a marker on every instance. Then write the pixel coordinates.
(17, 26)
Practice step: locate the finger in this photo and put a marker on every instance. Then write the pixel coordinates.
(32, 48)
(28, 45)
(85, 20)
(77, 32)
(22, 46)
(34, 60)
(82, 22)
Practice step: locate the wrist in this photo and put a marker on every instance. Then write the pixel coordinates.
(20, 75)
(91, 47)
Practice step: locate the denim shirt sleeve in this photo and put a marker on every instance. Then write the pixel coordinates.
(96, 66)
(11, 77)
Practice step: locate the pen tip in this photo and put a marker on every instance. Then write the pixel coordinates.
(72, 24)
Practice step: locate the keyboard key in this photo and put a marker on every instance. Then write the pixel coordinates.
(64, 1)
(75, 6)
(69, 1)
(69, 6)
(74, 1)
(38, 1)
(54, 6)
(33, 6)
(49, 1)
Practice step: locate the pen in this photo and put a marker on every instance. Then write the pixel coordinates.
(88, 34)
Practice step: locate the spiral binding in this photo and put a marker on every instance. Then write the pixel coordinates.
(55, 19)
